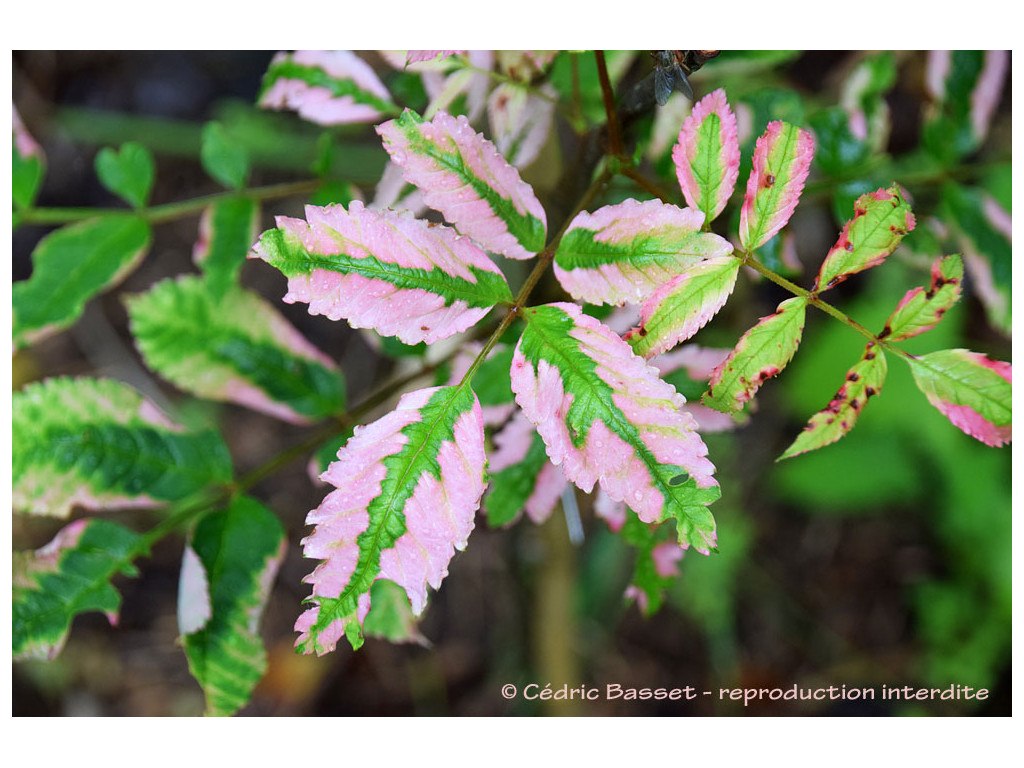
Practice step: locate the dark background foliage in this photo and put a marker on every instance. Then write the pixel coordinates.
(882, 560)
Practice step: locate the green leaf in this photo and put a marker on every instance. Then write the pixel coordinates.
(72, 265)
(863, 381)
(391, 616)
(982, 228)
(973, 392)
(655, 568)
(227, 230)
(511, 487)
(966, 86)
(836, 150)
(233, 347)
(880, 220)
(128, 174)
(224, 158)
(96, 443)
(69, 576)
(762, 352)
(27, 165)
(491, 381)
(921, 309)
(230, 564)
(683, 305)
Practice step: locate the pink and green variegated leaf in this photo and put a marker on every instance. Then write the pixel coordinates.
(233, 346)
(412, 57)
(970, 390)
(521, 120)
(408, 487)
(762, 352)
(688, 369)
(463, 91)
(984, 230)
(782, 160)
(229, 567)
(227, 230)
(463, 176)
(521, 477)
(921, 309)
(69, 576)
(97, 443)
(326, 87)
(605, 417)
(966, 87)
(683, 305)
(707, 156)
(69, 267)
(384, 270)
(880, 220)
(863, 381)
(27, 163)
(625, 252)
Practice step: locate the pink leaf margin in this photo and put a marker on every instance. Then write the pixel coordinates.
(766, 168)
(685, 153)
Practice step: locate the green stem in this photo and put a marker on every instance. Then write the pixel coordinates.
(158, 214)
(544, 259)
(748, 260)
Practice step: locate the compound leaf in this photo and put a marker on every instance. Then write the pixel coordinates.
(625, 252)
(462, 175)
(605, 416)
(233, 346)
(229, 566)
(407, 490)
(384, 270)
(72, 265)
(97, 443)
(69, 576)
